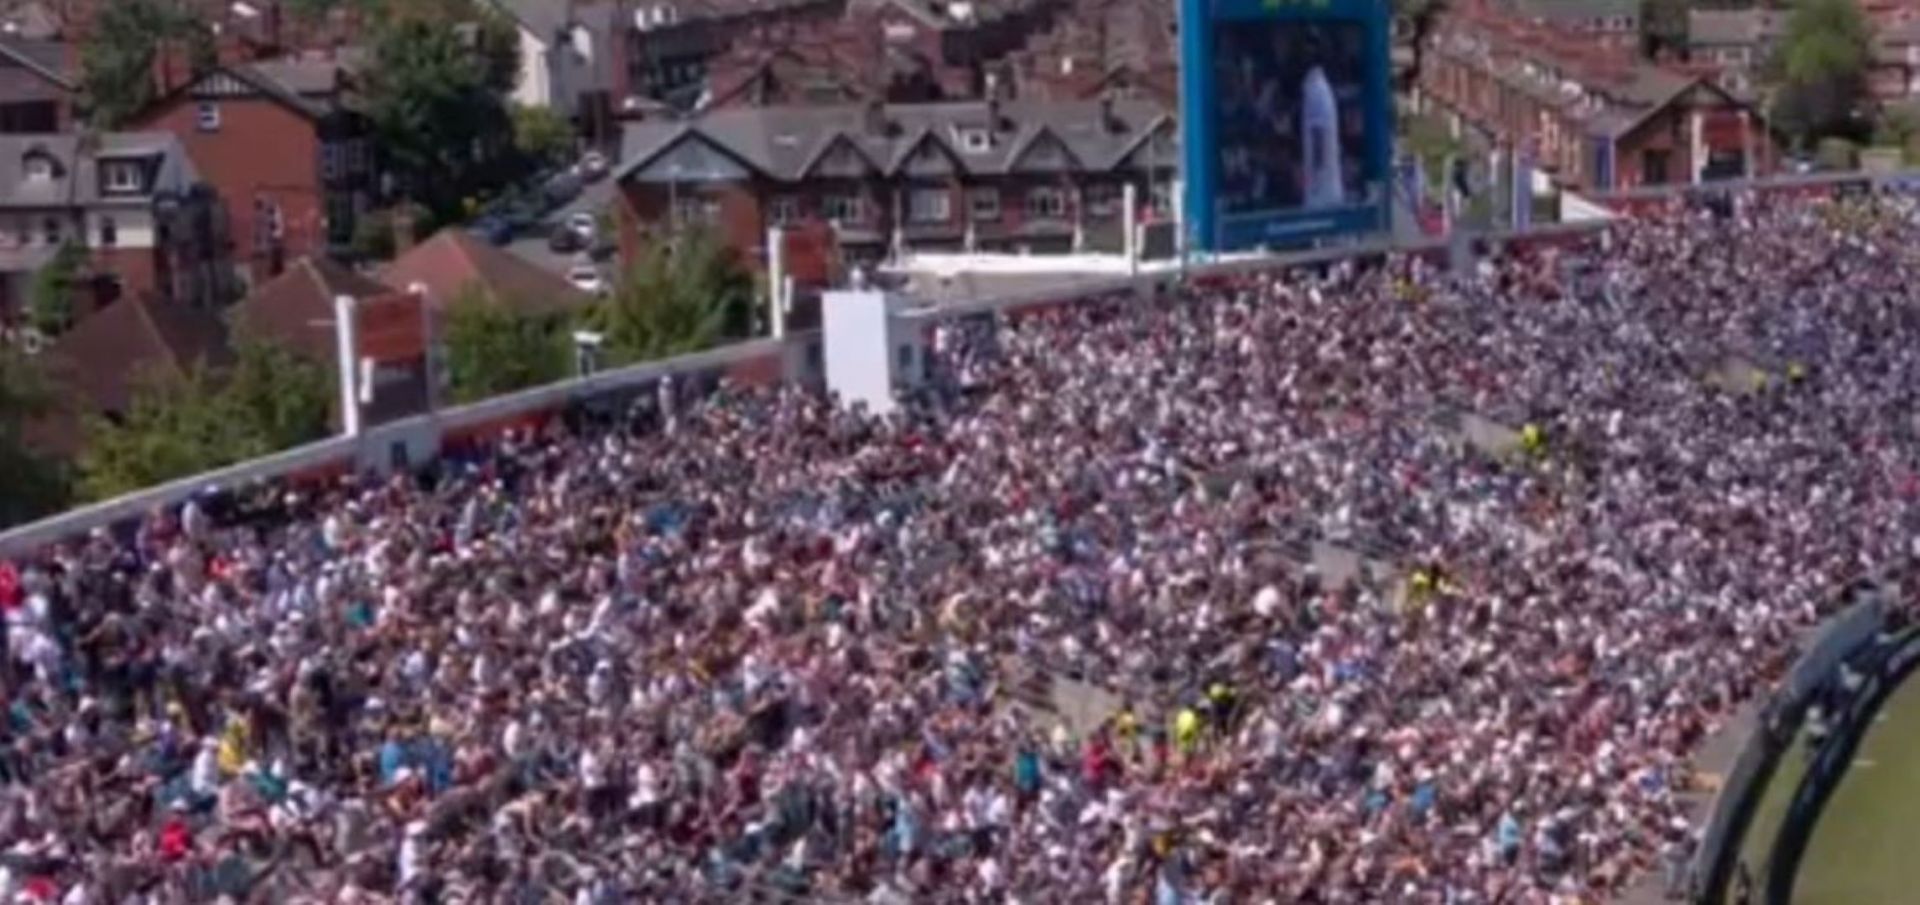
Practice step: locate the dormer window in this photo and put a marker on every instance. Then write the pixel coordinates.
(121, 176)
(976, 141)
(39, 167)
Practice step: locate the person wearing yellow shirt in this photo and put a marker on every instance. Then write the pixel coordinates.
(235, 742)
(1186, 730)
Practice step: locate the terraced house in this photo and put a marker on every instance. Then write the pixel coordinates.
(1014, 176)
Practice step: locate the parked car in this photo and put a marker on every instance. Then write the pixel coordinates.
(495, 230)
(564, 239)
(586, 277)
(593, 166)
(584, 223)
(560, 189)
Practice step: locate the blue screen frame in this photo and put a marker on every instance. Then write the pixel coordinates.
(1208, 228)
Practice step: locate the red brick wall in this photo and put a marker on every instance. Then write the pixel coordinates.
(261, 150)
(648, 212)
(136, 268)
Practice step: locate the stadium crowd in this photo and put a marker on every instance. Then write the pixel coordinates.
(746, 645)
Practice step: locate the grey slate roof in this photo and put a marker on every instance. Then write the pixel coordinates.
(1577, 10)
(76, 178)
(1734, 27)
(304, 85)
(53, 60)
(783, 142)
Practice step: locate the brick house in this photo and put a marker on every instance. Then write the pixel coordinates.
(280, 141)
(1595, 119)
(1735, 44)
(1015, 176)
(666, 46)
(133, 201)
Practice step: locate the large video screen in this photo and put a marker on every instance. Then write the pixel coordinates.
(1290, 119)
(1286, 126)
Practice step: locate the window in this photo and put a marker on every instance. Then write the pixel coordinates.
(50, 230)
(1653, 167)
(358, 160)
(109, 233)
(984, 205)
(1161, 199)
(121, 176)
(1102, 200)
(930, 206)
(207, 116)
(976, 141)
(1046, 204)
(694, 210)
(783, 210)
(844, 208)
(39, 168)
(329, 162)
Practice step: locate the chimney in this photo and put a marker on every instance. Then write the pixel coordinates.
(876, 117)
(1109, 122)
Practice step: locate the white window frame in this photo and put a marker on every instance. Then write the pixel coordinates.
(783, 210)
(975, 140)
(938, 205)
(206, 116)
(120, 175)
(1041, 197)
(846, 208)
(1102, 199)
(39, 168)
(983, 205)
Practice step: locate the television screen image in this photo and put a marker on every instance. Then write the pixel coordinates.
(1290, 116)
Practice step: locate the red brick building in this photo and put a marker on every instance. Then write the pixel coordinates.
(1016, 176)
(280, 142)
(132, 202)
(1595, 118)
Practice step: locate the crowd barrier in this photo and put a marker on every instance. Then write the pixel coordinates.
(1882, 672)
(1843, 637)
(417, 440)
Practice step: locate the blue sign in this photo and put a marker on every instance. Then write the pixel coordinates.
(1286, 120)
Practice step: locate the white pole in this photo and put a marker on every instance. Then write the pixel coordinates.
(777, 281)
(345, 330)
(1130, 214)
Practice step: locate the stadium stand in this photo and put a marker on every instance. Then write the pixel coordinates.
(1054, 631)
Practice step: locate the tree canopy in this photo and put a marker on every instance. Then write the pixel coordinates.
(1820, 69)
(50, 294)
(270, 400)
(492, 349)
(680, 297)
(117, 61)
(30, 486)
(435, 90)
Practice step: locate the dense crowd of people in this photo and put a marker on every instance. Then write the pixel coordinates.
(749, 646)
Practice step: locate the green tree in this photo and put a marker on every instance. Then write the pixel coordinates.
(50, 295)
(679, 297)
(541, 135)
(284, 399)
(492, 349)
(1663, 26)
(1820, 70)
(435, 90)
(182, 425)
(30, 486)
(117, 60)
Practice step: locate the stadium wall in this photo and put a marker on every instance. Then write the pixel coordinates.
(416, 441)
(1746, 782)
(1885, 668)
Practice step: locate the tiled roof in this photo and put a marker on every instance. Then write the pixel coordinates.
(56, 61)
(103, 358)
(75, 180)
(454, 260)
(1734, 27)
(295, 309)
(783, 142)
